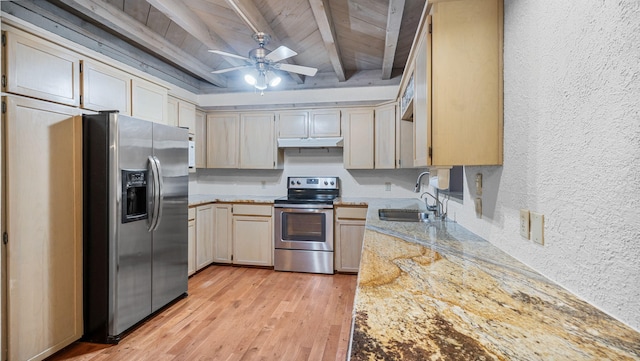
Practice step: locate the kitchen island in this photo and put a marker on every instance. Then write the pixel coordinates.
(435, 291)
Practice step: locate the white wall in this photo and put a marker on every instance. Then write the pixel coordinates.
(572, 148)
(305, 162)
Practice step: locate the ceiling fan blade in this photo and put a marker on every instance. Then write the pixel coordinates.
(220, 71)
(224, 53)
(281, 53)
(305, 70)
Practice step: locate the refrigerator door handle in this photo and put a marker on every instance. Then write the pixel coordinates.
(155, 194)
(160, 192)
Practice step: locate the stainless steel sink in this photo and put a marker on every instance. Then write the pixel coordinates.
(402, 215)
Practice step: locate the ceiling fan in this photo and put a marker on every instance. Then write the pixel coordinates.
(264, 62)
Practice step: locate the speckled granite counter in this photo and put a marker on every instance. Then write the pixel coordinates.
(438, 292)
(196, 199)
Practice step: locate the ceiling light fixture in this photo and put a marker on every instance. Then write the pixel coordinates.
(262, 79)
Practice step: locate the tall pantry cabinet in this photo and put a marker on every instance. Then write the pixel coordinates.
(43, 226)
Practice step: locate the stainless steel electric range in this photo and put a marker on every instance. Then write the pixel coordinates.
(304, 225)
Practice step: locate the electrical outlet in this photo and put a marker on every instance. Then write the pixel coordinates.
(263, 184)
(478, 204)
(524, 223)
(537, 228)
(387, 186)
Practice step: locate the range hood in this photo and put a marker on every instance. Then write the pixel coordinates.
(310, 142)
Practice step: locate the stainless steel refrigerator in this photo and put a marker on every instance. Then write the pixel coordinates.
(135, 221)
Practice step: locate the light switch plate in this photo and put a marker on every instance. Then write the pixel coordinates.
(478, 203)
(524, 223)
(479, 184)
(537, 228)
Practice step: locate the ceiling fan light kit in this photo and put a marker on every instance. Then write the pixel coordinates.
(264, 62)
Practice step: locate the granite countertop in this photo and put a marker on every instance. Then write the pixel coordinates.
(197, 199)
(435, 291)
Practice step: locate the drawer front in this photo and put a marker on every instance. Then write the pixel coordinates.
(351, 212)
(253, 209)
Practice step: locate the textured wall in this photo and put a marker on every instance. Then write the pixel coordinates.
(572, 148)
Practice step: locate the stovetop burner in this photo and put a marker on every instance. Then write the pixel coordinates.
(310, 190)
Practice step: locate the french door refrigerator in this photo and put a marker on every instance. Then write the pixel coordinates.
(135, 221)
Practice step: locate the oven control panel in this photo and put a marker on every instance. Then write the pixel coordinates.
(313, 183)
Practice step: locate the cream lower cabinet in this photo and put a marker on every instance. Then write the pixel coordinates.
(191, 268)
(349, 234)
(223, 236)
(42, 206)
(204, 235)
(253, 234)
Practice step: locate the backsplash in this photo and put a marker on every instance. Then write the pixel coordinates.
(306, 162)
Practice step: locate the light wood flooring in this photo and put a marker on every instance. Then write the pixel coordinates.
(235, 313)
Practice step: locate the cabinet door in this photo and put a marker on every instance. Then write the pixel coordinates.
(422, 103)
(257, 141)
(192, 247)
(204, 235)
(404, 143)
(324, 123)
(43, 205)
(149, 101)
(172, 111)
(201, 140)
(293, 124)
(467, 82)
(222, 239)
(222, 140)
(358, 139)
(385, 137)
(252, 240)
(105, 88)
(187, 116)
(349, 237)
(41, 70)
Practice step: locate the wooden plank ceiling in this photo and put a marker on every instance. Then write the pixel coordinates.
(350, 42)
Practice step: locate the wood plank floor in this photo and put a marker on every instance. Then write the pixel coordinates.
(235, 313)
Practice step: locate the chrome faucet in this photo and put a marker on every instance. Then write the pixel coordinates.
(417, 188)
(437, 209)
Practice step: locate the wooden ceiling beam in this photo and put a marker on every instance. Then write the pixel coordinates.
(124, 24)
(322, 13)
(394, 20)
(179, 13)
(250, 14)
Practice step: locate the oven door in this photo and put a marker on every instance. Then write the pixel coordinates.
(304, 228)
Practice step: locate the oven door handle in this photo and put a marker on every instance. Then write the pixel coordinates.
(303, 206)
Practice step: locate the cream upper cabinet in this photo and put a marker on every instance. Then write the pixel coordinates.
(385, 137)
(204, 235)
(315, 123)
(43, 221)
(222, 140)
(458, 117)
(358, 131)
(222, 238)
(149, 101)
(422, 102)
(253, 234)
(201, 139)
(324, 123)
(172, 111)
(39, 69)
(105, 88)
(294, 124)
(258, 149)
(187, 116)
(349, 235)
